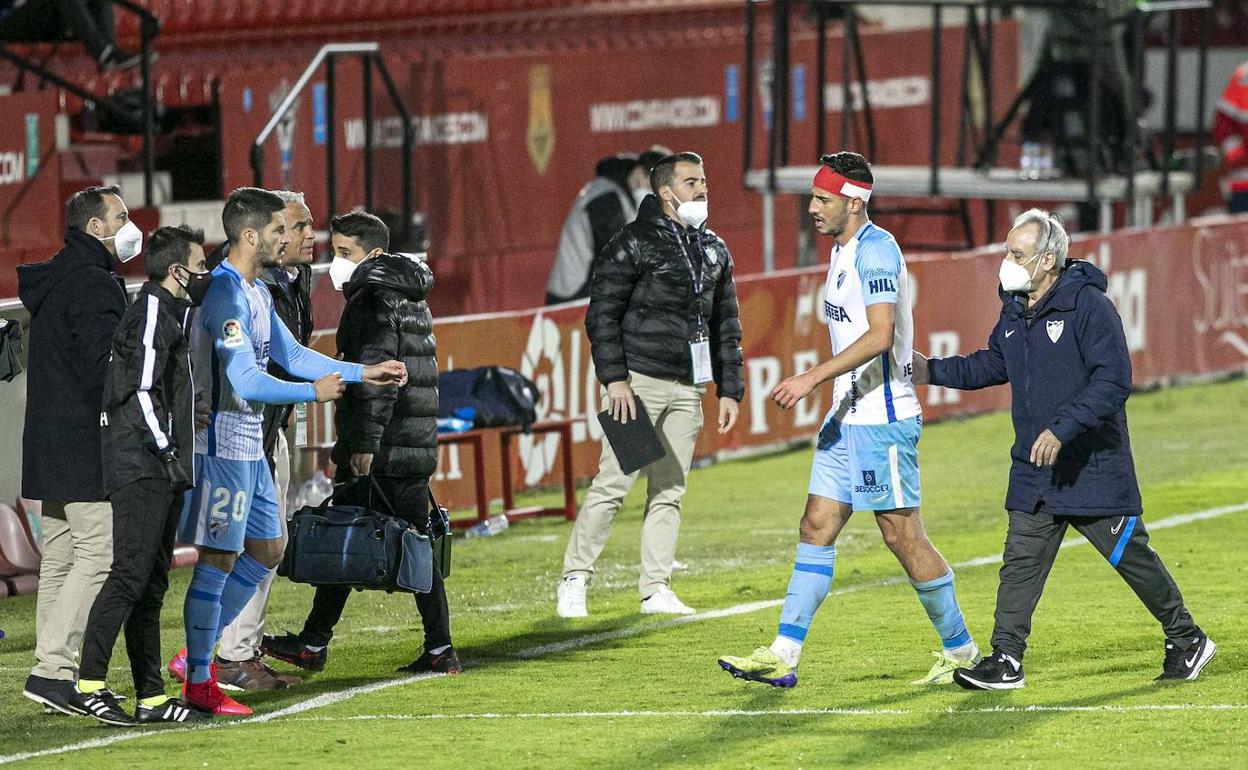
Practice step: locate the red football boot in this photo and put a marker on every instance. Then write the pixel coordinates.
(207, 696)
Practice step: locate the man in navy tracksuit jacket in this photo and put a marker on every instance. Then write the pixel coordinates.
(1060, 345)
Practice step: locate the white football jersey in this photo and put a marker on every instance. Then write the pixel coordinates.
(869, 270)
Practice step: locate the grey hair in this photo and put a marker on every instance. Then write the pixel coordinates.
(1051, 235)
(288, 196)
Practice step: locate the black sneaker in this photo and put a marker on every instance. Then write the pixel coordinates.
(59, 695)
(998, 671)
(1186, 664)
(445, 662)
(291, 649)
(170, 711)
(103, 705)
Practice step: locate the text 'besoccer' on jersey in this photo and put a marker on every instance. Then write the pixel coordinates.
(869, 270)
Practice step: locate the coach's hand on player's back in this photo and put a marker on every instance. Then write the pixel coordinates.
(623, 407)
(386, 373)
(920, 375)
(329, 388)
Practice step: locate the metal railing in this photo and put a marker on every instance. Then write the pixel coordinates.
(370, 57)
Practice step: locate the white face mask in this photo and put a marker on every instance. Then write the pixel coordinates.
(341, 270)
(639, 195)
(1015, 278)
(128, 240)
(692, 213)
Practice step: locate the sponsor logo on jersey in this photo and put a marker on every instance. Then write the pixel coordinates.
(835, 312)
(232, 333)
(880, 285)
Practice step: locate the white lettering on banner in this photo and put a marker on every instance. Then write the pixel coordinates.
(884, 94)
(808, 411)
(1128, 290)
(764, 376)
(1222, 272)
(942, 345)
(12, 167)
(646, 114)
(448, 128)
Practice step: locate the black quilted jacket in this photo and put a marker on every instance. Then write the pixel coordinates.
(386, 317)
(642, 309)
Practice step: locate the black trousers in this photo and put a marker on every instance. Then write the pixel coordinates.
(1031, 545)
(145, 517)
(409, 498)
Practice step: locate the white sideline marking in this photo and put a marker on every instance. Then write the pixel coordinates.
(718, 713)
(327, 699)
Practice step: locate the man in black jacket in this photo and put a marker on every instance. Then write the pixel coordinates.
(239, 663)
(1060, 345)
(388, 432)
(662, 322)
(75, 302)
(148, 429)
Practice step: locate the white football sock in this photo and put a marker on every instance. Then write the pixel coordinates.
(788, 650)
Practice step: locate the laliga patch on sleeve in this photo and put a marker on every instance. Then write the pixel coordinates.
(232, 333)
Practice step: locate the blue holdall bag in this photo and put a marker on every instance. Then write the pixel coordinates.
(357, 546)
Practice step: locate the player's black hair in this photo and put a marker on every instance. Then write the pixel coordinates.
(85, 205)
(850, 165)
(665, 170)
(249, 208)
(367, 230)
(170, 245)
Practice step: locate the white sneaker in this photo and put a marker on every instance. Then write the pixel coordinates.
(571, 597)
(664, 602)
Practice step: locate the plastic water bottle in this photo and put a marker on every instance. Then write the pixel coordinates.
(489, 528)
(314, 490)
(453, 425)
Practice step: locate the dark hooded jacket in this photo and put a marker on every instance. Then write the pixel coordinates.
(149, 398)
(1069, 371)
(642, 309)
(75, 302)
(386, 316)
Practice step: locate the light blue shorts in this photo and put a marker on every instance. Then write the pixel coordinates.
(870, 467)
(233, 500)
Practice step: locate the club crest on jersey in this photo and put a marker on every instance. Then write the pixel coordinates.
(1054, 328)
(232, 333)
(840, 279)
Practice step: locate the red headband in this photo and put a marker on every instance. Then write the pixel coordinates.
(827, 179)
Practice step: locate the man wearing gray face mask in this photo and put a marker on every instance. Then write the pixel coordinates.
(1060, 345)
(75, 301)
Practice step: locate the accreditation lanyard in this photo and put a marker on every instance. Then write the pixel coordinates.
(700, 345)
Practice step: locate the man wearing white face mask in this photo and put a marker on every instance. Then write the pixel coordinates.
(1060, 345)
(75, 301)
(662, 324)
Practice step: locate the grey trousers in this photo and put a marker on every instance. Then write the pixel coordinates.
(1031, 545)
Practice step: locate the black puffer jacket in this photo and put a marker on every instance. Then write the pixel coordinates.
(75, 302)
(642, 310)
(386, 317)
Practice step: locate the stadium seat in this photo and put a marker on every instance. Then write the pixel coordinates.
(29, 511)
(22, 585)
(17, 555)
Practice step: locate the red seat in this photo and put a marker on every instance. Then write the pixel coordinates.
(16, 551)
(22, 585)
(29, 511)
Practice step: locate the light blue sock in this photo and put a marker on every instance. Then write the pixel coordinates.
(938, 599)
(200, 613)
(246, 575)
(809, 586)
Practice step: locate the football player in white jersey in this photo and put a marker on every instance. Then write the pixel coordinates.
(867, 455)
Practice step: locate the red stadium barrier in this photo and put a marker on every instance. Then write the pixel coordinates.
(1182, 293)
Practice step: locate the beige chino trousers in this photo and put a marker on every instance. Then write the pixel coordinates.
(676, 410)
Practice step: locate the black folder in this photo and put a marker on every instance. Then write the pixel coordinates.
(636, 443)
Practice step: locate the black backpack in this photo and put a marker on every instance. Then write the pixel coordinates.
(498, 396)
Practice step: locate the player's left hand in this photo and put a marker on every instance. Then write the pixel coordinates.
(203, 414)
(386, 373)
(362, 464)
(794, 389)
(1044, 451)
(728, 410)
